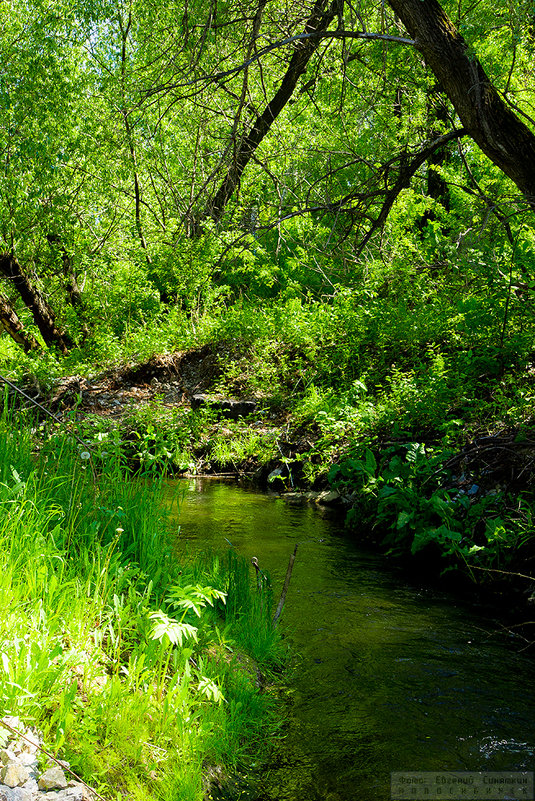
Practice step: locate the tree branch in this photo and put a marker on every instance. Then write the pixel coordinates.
(319, 21)
(500, 134)
(300, 37)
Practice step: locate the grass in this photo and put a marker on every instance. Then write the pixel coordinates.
(124, 655)
(405, 352)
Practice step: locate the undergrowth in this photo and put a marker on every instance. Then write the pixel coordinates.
(129, 657)
(418, 497)
(419, 353)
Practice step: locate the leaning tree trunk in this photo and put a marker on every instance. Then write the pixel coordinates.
(408, 164)
(43, 315)
(319, 20)
(500, 134)
(12, 325)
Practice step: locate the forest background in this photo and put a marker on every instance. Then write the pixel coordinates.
(322, 208)
(337, 198)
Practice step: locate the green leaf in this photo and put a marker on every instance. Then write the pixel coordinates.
(403, 519)
(210, 690)
(371, 463)
(168, 628)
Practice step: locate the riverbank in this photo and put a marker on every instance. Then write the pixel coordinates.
(126, 655)
(458, 498)
(102, 577)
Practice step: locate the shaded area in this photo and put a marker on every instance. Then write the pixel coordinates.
(388, 676)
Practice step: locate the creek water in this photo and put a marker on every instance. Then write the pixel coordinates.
(390, 676)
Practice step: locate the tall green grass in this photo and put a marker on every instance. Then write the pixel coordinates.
(122, 653)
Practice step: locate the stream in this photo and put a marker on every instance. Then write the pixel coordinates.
(390, 677)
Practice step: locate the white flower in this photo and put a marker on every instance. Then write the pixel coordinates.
(85, 455)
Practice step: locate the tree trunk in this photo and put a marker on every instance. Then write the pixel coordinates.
(12, 325)
(319, 20)
(72, 288)
(437, 115)
(43, 315)
(125, 30)
(437, 186)
(500, 134)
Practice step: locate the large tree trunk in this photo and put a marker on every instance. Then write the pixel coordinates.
(42, 314)
(319, 20)
(500, 134)
(12, 325)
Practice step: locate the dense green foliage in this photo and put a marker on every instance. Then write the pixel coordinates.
(115, 140)
(177, 175)
(174, 175)
(130, 658)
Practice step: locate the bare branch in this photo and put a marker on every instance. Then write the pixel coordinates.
(300, 37)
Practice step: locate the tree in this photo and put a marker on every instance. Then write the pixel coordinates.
(161, 135)
(317, 23)
(43, 314)
(39, 189)
(491, 123)
(13, 326)
(485, 116)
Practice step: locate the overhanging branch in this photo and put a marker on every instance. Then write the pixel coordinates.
(358, 202)
(300, 37)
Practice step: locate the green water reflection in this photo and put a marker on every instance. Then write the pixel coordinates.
(391, 677)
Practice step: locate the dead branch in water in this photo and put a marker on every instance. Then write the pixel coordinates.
(285, 587)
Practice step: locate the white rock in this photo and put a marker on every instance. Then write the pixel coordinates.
(53, 779)
(29, 760)
(76, 793)
(87, 793)
(14, 774)
(31, 786)
(31, 742)
(21, 794)
(82, 789)
(72, 794)
(7, 756)
(328, 497)
(22, 744)
(14, 794)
